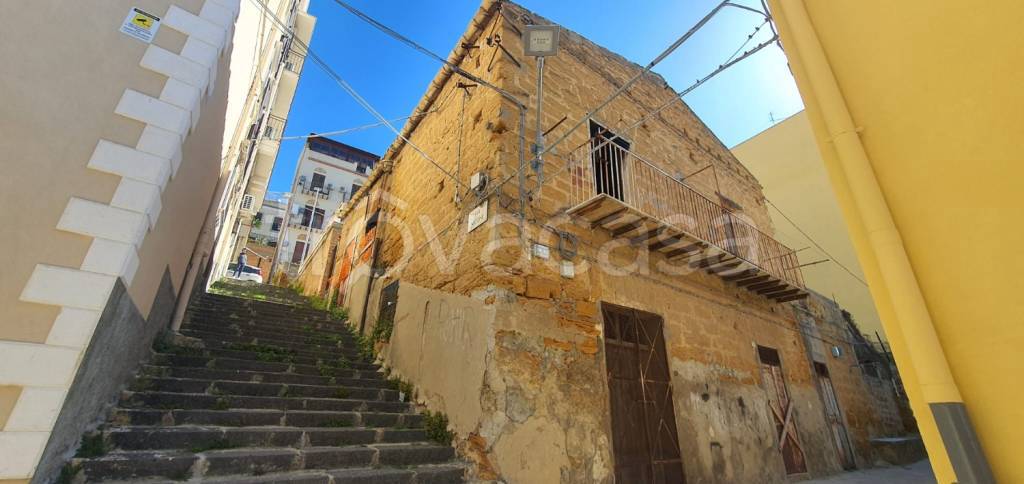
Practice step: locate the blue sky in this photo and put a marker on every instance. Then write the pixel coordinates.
(737, 104)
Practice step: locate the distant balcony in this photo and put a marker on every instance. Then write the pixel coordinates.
(631, 198)
(318, 191)
(300, 226)
(293, 61)
(273, 129)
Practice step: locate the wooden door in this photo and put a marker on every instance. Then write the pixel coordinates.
(834, 417)
(781, 409)
(644, 439)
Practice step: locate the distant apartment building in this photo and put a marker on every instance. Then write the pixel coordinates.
(253, 145)
(327, 174)
(267, 225)
(125, 107)
(268, 222)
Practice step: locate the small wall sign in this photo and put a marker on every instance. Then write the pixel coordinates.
(140, 25)
(477, 216)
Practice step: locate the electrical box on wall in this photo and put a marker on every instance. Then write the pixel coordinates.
(478, 181)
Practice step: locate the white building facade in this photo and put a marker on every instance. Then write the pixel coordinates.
(257, 120)
(268, 223)
(327, 174)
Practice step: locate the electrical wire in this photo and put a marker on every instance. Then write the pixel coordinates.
(366, 126)
(816, 244)
(349, 89)
(416, 46)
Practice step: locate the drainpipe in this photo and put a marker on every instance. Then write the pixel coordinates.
(925, 352)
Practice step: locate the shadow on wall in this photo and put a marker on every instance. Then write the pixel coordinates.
(122, 340)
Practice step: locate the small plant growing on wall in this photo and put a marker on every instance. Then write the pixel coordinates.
(382, 330)
(435, 424)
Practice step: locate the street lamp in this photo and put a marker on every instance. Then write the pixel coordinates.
(540, 41)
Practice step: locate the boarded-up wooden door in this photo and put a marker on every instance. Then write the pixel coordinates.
(644, 439)
(834, 416)
(782, 410)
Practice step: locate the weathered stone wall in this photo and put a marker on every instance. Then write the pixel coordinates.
(512, 350)
(868, 404)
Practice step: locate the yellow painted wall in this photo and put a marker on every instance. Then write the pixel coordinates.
(934, 91)
(786, 160)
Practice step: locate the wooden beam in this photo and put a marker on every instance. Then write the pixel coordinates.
(686, 250)
(590, 206)
(647, 236)
(727, 266)
(667, 242)
(625, 229)
(741, 275)
(611, 217)
(786, 293)
(754, 280)
(793, 298)
(764, 285)
(710, 261)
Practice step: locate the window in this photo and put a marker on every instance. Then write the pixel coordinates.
(318, 182)
(276, 226)
(609, 160)
(317, 216)
(299, 252)
(355, 188)
(247, 201)
(361, 168)
(258, 217)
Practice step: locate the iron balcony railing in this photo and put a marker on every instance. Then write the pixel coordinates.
(615, 172)
(293, 61)
(274, 127)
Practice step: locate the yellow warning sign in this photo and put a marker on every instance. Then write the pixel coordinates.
(143, 21)
(141, 25)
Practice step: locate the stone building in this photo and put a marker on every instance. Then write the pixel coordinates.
(624, 317)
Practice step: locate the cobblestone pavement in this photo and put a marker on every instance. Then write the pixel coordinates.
(917, 473)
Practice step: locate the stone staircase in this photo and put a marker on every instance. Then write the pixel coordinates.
(276, 393)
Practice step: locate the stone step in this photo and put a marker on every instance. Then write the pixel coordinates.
(357, 370)
(262, 307)
(260, 325)
(248, 462)
(259, 417)
(425, 474)
(301, 345)
(328, 376)
(201, 438)
(225, 387)
(202, 401)
(301, 358)
(283, 319)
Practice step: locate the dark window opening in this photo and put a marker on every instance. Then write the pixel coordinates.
(768, 356)
(317, 215)
(609, 160)
(298, 252)
(318, 182)
(821, 369)
(276, 225)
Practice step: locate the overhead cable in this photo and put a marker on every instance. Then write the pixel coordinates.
(349, 89)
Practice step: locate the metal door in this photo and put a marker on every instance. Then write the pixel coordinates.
(834, 417)
(644, 439)
(782, 410)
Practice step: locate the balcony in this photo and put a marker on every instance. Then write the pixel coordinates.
(618, 191)
(300, 226)
(293, 61)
